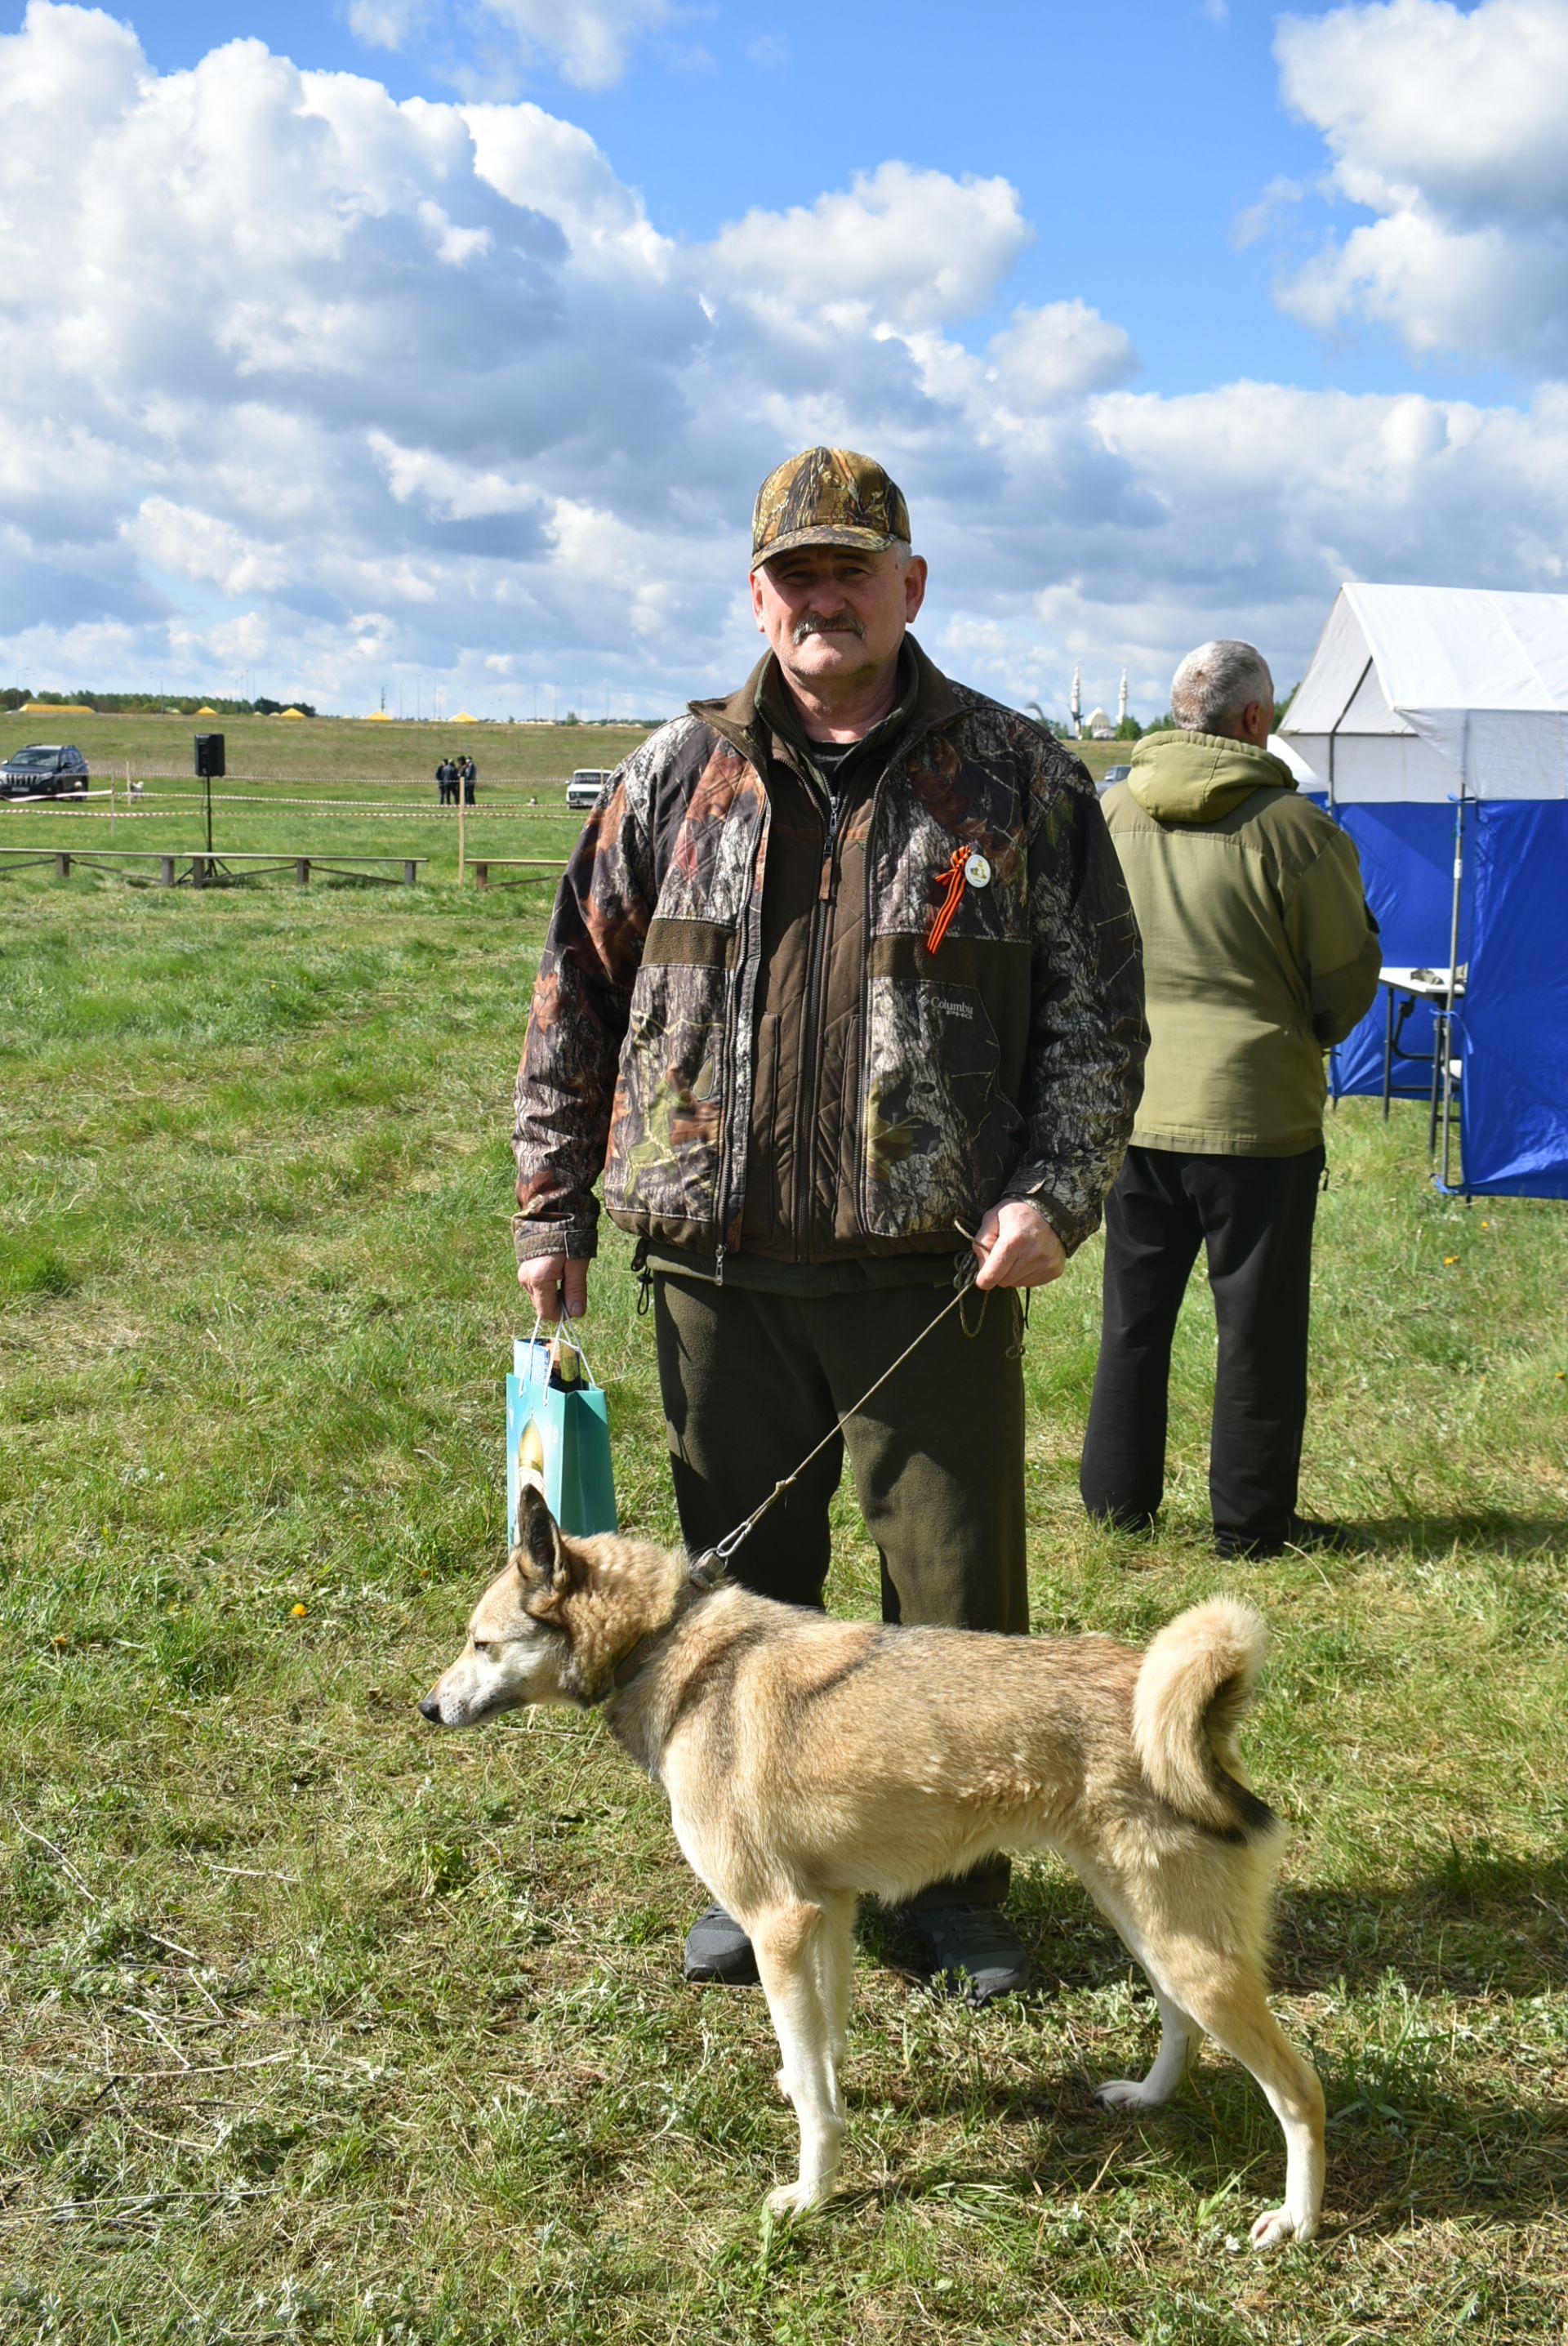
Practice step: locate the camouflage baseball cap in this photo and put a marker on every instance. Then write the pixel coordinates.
(827, 497)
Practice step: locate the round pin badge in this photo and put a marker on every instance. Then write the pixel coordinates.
(977, 871)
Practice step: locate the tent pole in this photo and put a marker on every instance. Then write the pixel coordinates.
(1334, 729)
(1454, 960)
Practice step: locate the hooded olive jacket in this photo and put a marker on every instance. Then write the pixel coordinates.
(876, 1095)
(1259, 951)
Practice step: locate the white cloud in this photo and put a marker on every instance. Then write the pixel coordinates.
(588, 41)
(338, 391)
(1059, 352)
(906, 247)
(1447, 125)
(1257, 219)
(385, 24)
(195, 544)
(550, 167)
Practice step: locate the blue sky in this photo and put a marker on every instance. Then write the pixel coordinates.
(1168, 317)
(1138, 132)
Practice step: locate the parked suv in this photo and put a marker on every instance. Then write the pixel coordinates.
(583, 789)
(44, 770)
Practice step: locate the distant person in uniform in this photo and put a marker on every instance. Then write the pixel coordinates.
(443, 782)
(1259, 953)
(470, 780)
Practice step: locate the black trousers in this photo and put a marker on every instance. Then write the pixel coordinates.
(750, 1382)
(1254, 1217)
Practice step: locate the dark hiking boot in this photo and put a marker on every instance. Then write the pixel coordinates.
(971, 1951)
(1135, 1523)
(719, 1951)
(1304, 1532)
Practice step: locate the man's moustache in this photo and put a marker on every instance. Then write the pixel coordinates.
(845, 625)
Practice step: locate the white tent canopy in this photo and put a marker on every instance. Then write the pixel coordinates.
(1423, 692)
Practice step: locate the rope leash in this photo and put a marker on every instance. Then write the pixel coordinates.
(709, 1566)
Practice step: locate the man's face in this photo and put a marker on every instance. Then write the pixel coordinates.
(834, 615)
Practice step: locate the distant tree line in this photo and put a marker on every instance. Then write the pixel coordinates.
(152, 704)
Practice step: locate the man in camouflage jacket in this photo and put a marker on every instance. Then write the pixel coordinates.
(842, 980)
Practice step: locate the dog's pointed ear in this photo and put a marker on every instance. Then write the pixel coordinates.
(539, 1538)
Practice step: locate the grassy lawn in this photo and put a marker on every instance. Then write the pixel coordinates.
(332, 750)
(317, 2026)
(321, 750)
(321, 817)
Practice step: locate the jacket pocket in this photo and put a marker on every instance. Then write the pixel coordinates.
(939, 1133)
(667, 1126)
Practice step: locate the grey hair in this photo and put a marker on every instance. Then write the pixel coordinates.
(1215, 683)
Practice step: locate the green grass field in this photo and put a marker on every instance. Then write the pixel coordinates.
(321, 817)
(318, 2026)
(323, 750)
(327, 751)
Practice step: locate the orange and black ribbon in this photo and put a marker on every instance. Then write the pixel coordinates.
(952, 880)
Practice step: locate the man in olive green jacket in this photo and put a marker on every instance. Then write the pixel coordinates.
(1260, 953)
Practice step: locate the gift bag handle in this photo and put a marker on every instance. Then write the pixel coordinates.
(557, 1339)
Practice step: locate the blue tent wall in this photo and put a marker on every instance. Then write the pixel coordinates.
(1514, 1035)
(1407, 867)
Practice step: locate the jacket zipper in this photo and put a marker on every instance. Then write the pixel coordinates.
(860, 1137)
(816, 961)
(739, 1024)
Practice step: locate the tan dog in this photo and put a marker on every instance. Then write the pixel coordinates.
(807, 1761)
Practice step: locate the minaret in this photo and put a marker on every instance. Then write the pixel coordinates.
(1122, 700)
(1075, 708)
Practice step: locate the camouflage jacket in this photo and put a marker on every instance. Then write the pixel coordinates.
(1007, 1064)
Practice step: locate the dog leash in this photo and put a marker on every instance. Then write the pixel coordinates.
(710, 1565)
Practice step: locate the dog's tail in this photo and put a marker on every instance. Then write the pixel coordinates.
(1196, 1679)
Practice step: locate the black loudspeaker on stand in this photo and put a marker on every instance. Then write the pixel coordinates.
(210, 768)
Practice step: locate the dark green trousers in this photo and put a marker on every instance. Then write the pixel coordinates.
(751, 1380)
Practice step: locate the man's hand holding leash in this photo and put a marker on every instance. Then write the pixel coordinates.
(1016, 1247)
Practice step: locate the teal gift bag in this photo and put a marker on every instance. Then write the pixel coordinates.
(558, 1434)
